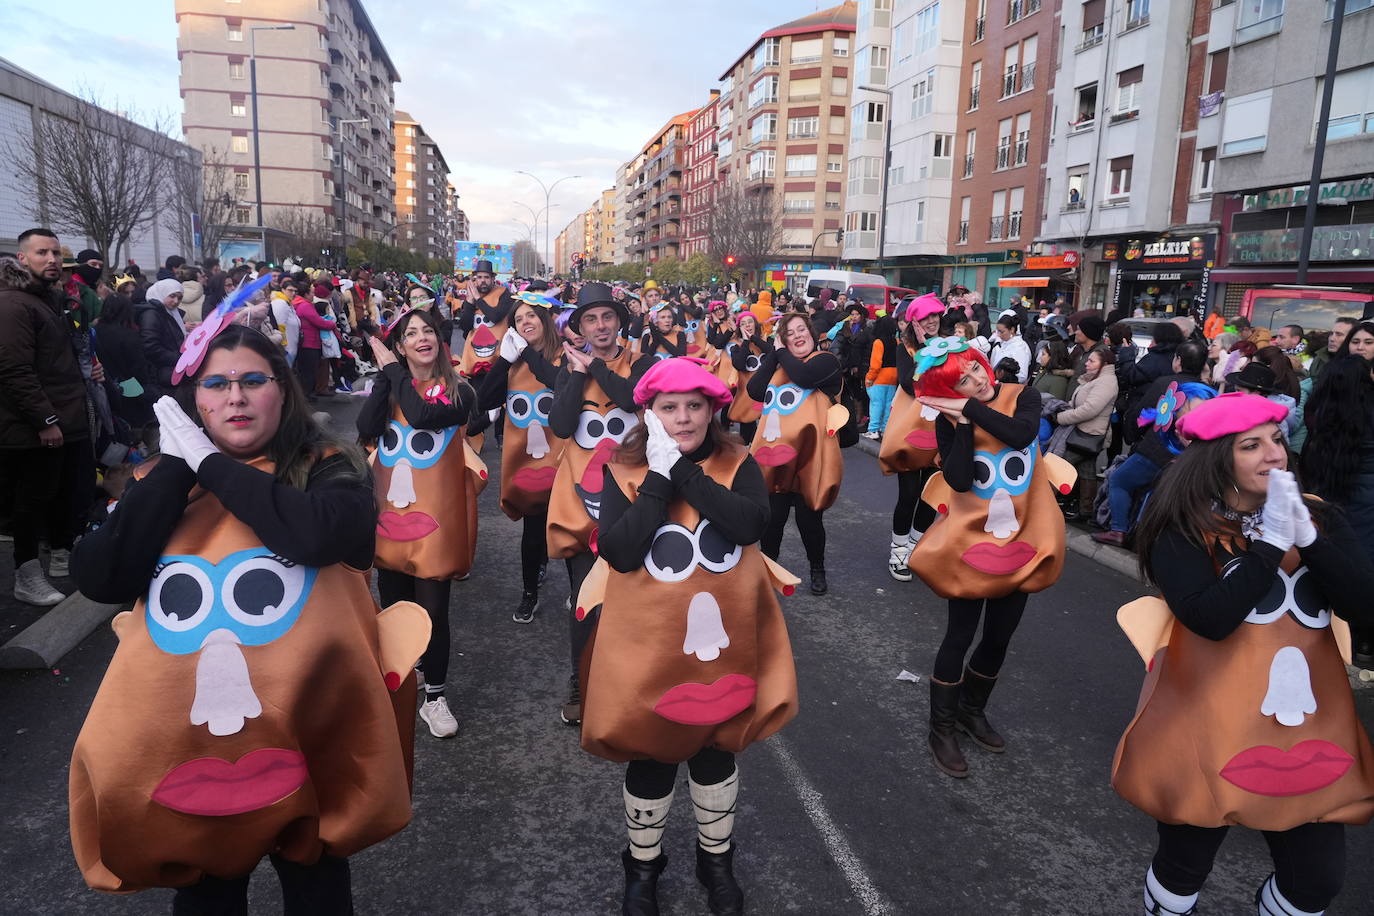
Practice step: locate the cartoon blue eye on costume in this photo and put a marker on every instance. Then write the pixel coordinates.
(526, 407)
(784, 399)
(421, 447)
(253, 594)
(1008, 470)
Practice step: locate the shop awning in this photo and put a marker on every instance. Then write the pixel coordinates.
(1025, 277)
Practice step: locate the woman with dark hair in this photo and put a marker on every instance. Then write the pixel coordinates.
(1089, 413)
(683, 508)
(1359, 342)
(1055, 368)
(417, 414)
(798, 385)
(1286, 380)
(746, 356)
(1246, 715)
(881, 380)
(522, 380)
(314, 322)
(255, 648)
(663, 338)
(120, 349)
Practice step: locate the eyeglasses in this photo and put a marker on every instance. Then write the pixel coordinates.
(250, 382)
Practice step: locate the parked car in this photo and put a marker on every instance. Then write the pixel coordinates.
(879, 297)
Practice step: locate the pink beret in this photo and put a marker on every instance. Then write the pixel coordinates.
(924, 307)
(679, 376)
(1230, 413)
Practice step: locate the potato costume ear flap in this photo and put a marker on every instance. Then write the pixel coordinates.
(783, 581)
(593, 590)
(937, 494)
(402, 635)
(476, 467)
(1147, 623)
(1061, 474)
(835, 418)
(1341, 631)
(121, 623)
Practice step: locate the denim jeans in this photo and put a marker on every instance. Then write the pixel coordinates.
(879, 406)
(1132, 475)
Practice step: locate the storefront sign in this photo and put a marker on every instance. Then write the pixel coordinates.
(1329, 243)
(1184, 253)
(1110, 251)
(1331, 192)
(1153, 276)
(990, 257)
(1209, 104)
(1054, 262)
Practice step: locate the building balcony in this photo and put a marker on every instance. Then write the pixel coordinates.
(980, 26)
(995, 227)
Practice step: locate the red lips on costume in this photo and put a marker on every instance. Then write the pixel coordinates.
(535, 480)
(999, 560)
(775, 455)
(482, 337)
(1306, 767)
(405, 526)
(213, 787)
(592, 476)
(922, 439)
(707, 704)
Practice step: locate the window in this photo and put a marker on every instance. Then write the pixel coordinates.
(763, 128)
(1257, 18)
(410, 149)
(725, 118)
(804, 90)
(1206, 170)
(725, 147)
(1245, 123)
(409, 132)
(235, 27)
(410, 183)
(240, 182)
(1352, 104)
(1128, 84)
(923, 94)
(410, 201)
(1022, 152)
(837, 125)
(1094, 12)
(1077, 186)
(1004, 143)
(727, 86)
(841, 47)
(1010, 65)
(238, 143)
(799, 202)
(1085, 107)
(868, 121)
(839, 86)
(807, 51)
(766, 54)
(802, 128)
(237, 106)
(876, 60)
(970, 146)
(235, 69)
(1028, 51)
(1017, 198)
(832, 200)
(1351, 6)
(896, 175)
(882, 14)
(834, 165)
(764, 91)
(761, 164)
(410, 166)
(242, 215)
(801, 166)
(928, 28)
(975, 85)
(980, 22)
(1119, 180)
(901, 41)
(862, 228)
(998, 224)
(1137, 13)
(920, 221)
(863, 175)
(1216, 71)
(942, 156)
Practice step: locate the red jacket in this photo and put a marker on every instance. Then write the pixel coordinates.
(312, 323)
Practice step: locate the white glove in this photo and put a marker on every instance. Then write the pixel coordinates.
(1277, 517)
(512, 345)
(1304, 532)
(179, 436)
(660, 448)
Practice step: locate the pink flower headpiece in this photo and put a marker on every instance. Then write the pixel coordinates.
(194, 347)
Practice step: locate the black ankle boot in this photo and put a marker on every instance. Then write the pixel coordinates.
(818, 584)
(973, 700)
(716, 873)
(641, 884)
(944, 745)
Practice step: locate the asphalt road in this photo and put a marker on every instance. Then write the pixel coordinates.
(842, 813)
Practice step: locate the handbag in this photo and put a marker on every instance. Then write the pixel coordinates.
(1084, 443)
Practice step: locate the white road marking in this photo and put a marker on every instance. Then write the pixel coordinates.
(872, 899)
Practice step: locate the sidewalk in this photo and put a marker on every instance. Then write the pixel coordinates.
(36, 637)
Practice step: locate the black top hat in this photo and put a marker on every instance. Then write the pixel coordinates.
(483, 267)
(1255, 376)
(592, 295)
(536, 286)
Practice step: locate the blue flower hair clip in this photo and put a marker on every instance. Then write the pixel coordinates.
(936, 351)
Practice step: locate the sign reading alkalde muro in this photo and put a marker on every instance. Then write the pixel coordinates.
(1329, 193)
(1329, 243)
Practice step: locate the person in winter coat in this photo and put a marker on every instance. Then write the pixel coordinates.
(881, 379)
(1135, 376)
(1010, 345)
(1090, 413)
(162, 327)
(309, 356)
(1055, 368)
(126, 366)
(853, 344)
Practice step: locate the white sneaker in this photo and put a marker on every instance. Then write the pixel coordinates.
(436, 715)
(31, 587)
(896, 564)
(873, 435)
(59, 564)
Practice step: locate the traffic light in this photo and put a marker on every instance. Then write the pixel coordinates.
(730, 260)
(839, 236)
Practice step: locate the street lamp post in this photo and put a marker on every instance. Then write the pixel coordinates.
(253, 90)
(887, 171)
(343, 188)
(548, 192)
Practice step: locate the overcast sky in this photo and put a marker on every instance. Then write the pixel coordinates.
(554, 87)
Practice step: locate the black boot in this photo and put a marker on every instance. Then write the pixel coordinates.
(944, 745)
(818, 585)
(973, 699)
(716, 873)
(641, 884)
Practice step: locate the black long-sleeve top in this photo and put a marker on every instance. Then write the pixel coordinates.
(569, 392)
(658, 343)
(820, 372)
(503, 308)
(419, 413)
(956, 441)
(333, 520)
(491, 391)
(906, 370)
(749, 347)
(1213, 606)
(719, 335)
(739, 512)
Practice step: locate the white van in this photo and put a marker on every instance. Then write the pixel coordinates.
(838, 281)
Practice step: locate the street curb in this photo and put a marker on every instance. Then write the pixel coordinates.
(1114, 558)
(44, 642)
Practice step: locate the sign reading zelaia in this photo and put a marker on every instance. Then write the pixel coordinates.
(1329, 192)
(1192, 252)
(1329, 243)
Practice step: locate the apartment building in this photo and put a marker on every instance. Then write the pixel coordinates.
(906, 101)
(782, 128)
(699, 179)
(461, 228)
(425, 200)
(620, 239)
(603, 253)
(329, 68)
(654, 193)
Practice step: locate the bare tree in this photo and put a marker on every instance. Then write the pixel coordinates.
(311, 232)
(526, 258)
(95, 172)
(745, 222)
(202, 185)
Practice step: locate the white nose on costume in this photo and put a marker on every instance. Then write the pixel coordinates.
(929, 413)
(772, 427)
(706, 634)
(1290, 688)
(1001, 521)
(401, 493)
(536, 443)
(224, 695)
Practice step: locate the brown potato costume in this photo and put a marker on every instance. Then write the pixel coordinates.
(909, 440)
(490, 318)
(427, 483)
(246, 710)
(1006, 534)
(795, 445)
(743, 409)
(690, 651)
(531, 454)
(1257, 729)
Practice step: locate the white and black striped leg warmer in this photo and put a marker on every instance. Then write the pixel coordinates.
(715, 810)
(1273, 903)
(1160, 901)
(645, 819)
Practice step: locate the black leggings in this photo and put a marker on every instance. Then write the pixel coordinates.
(649, 779)
(911, 513)
(322, 889)
(534, 549)
(1000, 618)
(433, 596)
(810, 524)
(307, 365)
(1309, 860)
(579, 631)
